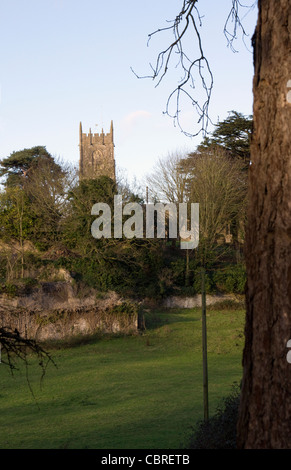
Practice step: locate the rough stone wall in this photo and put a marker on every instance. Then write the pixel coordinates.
(62, 324)
(54, 313)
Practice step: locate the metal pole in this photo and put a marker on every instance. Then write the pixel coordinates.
(204, 346)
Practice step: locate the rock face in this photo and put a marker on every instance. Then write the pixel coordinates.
(52, 311)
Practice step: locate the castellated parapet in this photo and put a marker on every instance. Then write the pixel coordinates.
(96, 154)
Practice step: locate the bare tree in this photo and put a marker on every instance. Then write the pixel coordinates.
(218, 183)
(210, 178)
(129, 188)
(166, 182)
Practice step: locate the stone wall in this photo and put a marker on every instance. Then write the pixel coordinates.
(52, 312)
(196, 301)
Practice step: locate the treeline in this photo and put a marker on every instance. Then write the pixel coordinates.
(45, 221)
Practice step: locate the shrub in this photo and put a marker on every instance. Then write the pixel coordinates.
(219, 432)
(178, 270)
(231, 280)
(125, 308)
(209, 284)
(9, 288)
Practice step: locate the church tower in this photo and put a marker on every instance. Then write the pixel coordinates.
(96, 154)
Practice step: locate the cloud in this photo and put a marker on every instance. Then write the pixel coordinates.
(133, 118)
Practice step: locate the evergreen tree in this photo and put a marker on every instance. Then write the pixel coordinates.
(233, 134)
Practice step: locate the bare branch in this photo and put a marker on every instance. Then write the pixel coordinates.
(196, 83)
(186, 20)
(234, 18)
(16, 346)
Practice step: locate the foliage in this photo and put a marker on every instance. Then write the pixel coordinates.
(217, 183)
(209, 284)
(46, 221)
(233, 134)
(16, 220)
(82, 197)
(231, 279)
(219, 432)
(9, 289)
(33, 202)
(17, 166)
(126, 308)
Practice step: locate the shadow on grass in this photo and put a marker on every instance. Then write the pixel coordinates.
(80, 340)
(155, 318)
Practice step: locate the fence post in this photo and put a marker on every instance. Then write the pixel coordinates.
(204, 346)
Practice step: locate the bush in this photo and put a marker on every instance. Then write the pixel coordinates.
(9, 289)
(178, 269)
(209, 284)
(3, 267)
(126, 308)
(231, 280)
(219, 432)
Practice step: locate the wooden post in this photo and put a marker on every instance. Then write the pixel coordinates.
(204, 347)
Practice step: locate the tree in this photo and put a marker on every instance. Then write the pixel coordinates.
(39, 182)
(82, 197)
(166, 182)
(217, 183)
(46, 187)
(122, 264)
(131, 191)
(17, 166)
(210, 177)
(214, 180)
(265, 408)
(233, 134)
(16, 223)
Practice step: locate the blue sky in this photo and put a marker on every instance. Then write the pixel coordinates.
(66, 61)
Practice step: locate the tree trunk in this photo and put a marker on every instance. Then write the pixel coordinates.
(265, 410)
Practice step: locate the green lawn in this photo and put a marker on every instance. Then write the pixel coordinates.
(138, 392)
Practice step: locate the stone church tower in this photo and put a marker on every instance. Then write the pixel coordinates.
(96, 154)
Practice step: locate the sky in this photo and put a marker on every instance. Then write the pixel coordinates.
(63, 62)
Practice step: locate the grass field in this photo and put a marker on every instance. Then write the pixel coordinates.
(137, 392)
